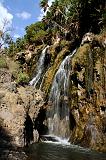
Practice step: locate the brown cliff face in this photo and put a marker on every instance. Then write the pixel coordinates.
(88, 95)
(16, 102)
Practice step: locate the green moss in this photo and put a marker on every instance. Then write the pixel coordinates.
(54, 52)
(64, 43)
(52, 70)
(3, 63)
(81, 55)
(84, 58)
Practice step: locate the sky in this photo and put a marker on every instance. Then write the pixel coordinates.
(19, 14)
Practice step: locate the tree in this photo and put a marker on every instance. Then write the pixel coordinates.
(5, 37)
(44, 4)
(76, 16)
(35, 33)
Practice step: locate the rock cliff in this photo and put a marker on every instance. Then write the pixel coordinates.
(16, 102)
(87, 94)
(23, 108)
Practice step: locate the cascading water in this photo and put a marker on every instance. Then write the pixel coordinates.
(58, 113)
(37, 80)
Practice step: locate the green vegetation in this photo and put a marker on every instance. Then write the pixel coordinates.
(69, 19)
(81, 54)
(52, 70)
(75, 16)
(3, 63)
(35, 33)
(64, 24)
(14, 67)
(64, 43)
(22, 78)
(44, 4)
(15, 47)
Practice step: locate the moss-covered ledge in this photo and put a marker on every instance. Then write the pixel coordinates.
(49, 75)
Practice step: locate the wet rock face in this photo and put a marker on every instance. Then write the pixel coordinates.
(21, 107)
(88, 98)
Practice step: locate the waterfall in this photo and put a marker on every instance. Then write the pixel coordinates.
(36, 81)
(58, 112)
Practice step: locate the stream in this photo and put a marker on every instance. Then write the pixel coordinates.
(61, 151)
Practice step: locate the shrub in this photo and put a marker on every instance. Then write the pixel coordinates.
(22, 78)
(64, 43)
(3, 63)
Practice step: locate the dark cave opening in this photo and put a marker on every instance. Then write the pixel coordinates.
(28, 130)
(72, 121)
(39, 123)
(103, 108)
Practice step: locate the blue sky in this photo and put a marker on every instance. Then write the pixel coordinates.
(19, 13)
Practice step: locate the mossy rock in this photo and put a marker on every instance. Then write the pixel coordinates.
(52, 70)
(53, 52)
(81, 55)
(64, 43)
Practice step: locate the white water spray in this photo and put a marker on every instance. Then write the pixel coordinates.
(58, 114)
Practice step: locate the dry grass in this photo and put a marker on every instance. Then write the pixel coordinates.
(13, 66)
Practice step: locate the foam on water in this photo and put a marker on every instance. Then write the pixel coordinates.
(57, 139)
